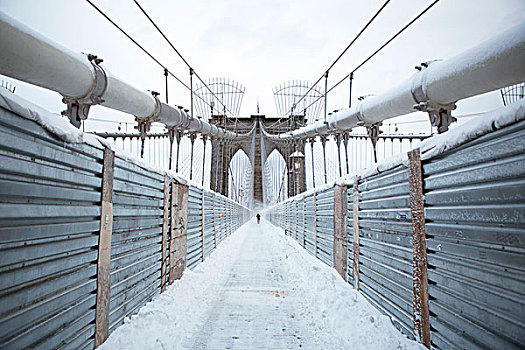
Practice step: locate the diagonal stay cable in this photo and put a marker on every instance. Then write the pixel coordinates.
(377, 51)
(142, 48)
(342, 53)
(178, 53)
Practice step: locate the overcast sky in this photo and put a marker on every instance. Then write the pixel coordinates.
(264, 43)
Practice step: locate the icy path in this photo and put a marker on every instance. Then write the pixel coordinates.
(259, 290)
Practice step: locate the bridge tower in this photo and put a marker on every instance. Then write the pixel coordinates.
(258, 144)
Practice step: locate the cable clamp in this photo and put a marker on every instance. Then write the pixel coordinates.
(78, 108)
(439, 114)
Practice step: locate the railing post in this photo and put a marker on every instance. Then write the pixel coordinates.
(355, 237)
(420, 278)
(165, 223)
(340, 222)
(104, 249)
(178, 233)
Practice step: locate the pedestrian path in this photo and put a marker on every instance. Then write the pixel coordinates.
(255, 307)
(259, 290)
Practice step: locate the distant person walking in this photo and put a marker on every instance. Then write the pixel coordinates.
(258, 218)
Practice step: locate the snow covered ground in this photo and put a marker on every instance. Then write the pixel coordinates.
(259, 290)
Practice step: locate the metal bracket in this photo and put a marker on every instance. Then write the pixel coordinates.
(374, 132)
(144, 125)
(439, 114)
(78, 108)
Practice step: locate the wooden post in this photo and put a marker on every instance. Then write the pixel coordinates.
(165, 222)
(202, 225)
(420, 277)
(340, 223)
(104, 249)
(315, 223)
(355, 237)
(178, 227)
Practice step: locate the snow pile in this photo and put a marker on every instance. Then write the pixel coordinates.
(321, 309)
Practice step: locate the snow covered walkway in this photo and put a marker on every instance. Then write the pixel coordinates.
(259, 290)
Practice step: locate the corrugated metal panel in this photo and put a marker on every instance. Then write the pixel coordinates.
(49, 222)
(325, 226)
(385, 245)
(136, 240)
(194, 232)
(475, 198)
(49, 231)
(208, 223)
(309, 225)
(475, 225)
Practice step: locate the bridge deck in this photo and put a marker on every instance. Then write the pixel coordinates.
(259, 290)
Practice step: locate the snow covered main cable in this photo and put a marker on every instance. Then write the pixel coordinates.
(494, 64)
(33, 58)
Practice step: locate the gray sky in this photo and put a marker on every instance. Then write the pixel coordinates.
(263, 43)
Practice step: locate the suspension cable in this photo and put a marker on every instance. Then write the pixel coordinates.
(143, 49)
(377, 51)
(341, 55)
(179, 54)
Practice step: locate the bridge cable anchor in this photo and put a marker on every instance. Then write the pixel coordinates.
(78, 108)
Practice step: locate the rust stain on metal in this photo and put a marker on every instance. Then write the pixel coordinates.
(165, 219)
(340, 222)
(178, 230)
(104, 249)
(355, 236)
(420, 277)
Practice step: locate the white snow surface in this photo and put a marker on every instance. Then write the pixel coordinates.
(259, 290)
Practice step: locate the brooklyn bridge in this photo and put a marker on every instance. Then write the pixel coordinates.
(376, 232)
